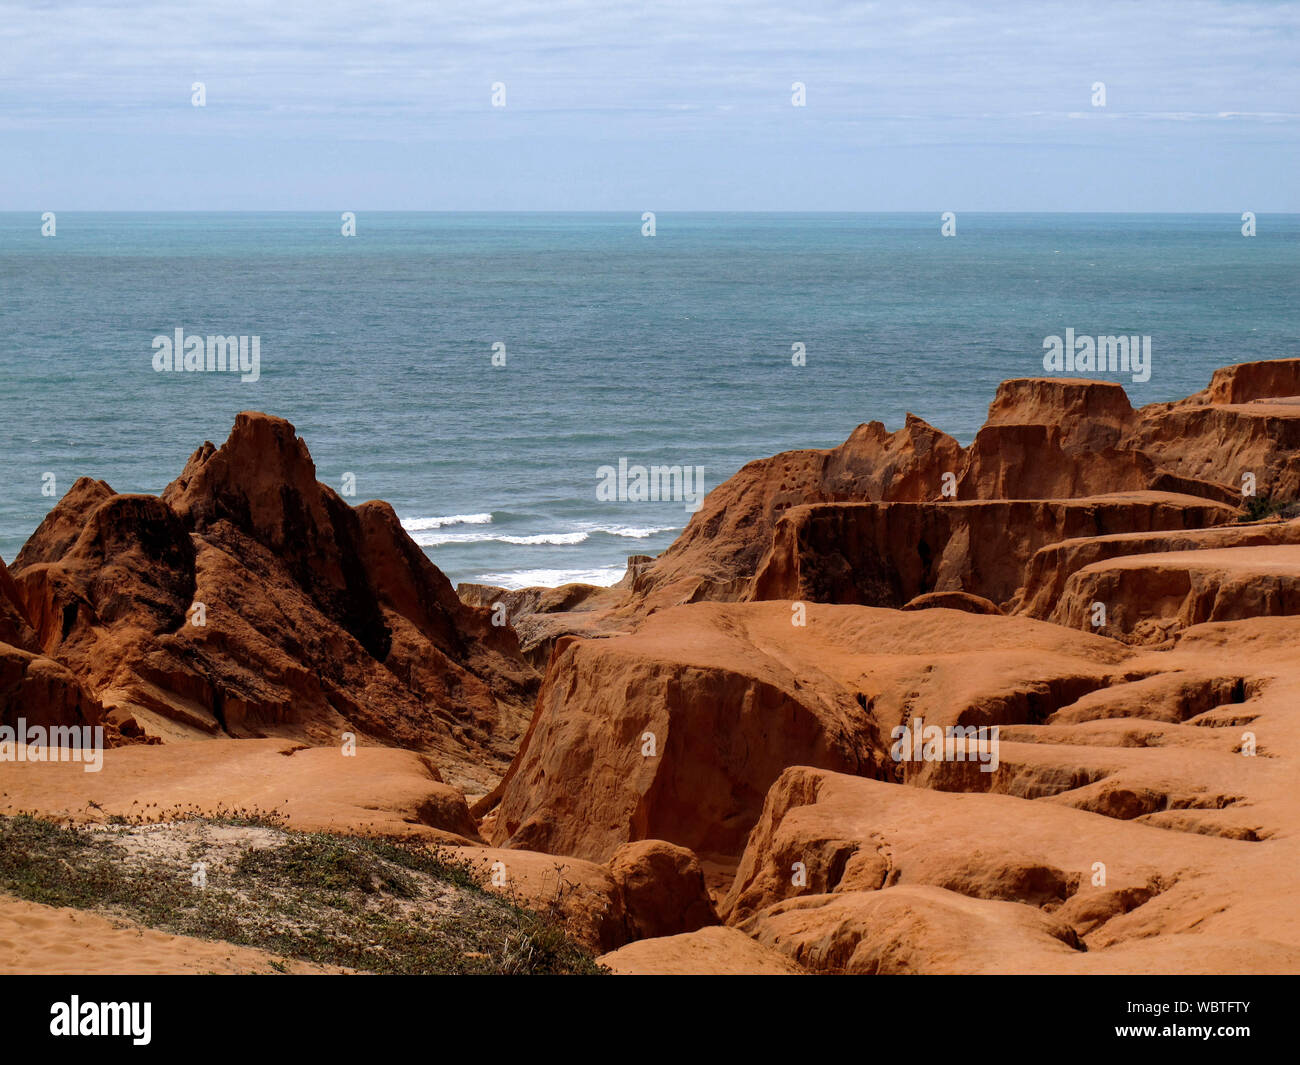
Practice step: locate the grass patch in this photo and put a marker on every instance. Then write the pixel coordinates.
(378, 906)
(1257, 509)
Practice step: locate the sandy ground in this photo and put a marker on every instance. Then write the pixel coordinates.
(379, 791)
(47, 940)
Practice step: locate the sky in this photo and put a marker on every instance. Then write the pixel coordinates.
(330, 105)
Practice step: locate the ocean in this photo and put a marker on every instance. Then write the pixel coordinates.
(676, 349)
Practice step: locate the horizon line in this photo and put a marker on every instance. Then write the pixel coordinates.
(604, 211)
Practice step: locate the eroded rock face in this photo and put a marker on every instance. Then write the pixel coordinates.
(15, 628)
(540, 616)
(673, 733)
(663, 889)
(1247, 382)
(262, 482)
(1149, 597)
(1017, 461)
(648, 889)
(1045, 439)
(317, 618)
(1082, 414)
(1111, 757)
(677, 731)
(129, 575)
(887, 554)
(1131, 821)
(723, 544)
(1246, 422)
(910, 930)
(714, 951)
(850, 875)
(1052, 566)
(1066, 438)
(33, 688)
(1225, 443)
(64, 523)
(41, 692)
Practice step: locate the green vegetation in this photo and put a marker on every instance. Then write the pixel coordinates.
(1257, 508)
(378, 906)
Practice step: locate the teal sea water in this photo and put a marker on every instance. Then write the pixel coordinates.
(673, 349)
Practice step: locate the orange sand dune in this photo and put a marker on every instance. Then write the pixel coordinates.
(47, 940)
(378, 791)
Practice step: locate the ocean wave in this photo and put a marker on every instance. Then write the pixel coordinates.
(545, 538)
(437, 539)
(420, 524)
(553, 578)
(433, 536)
(634, 532)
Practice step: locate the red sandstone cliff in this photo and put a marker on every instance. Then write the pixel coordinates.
(318, 618)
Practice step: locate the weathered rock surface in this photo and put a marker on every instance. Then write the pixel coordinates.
(709, 952)
(1052, 566)
(34, 688)
(673, 733)
(1246, 422)
(663, 889)
(910, 930)
(317, 618)
(1065, 438)
(648, 889)
(1083, 414)
(972, 604)
(726, 696)
(1225, 443)
(887, 554)
(42, 692)
(1132, 822)
(540, 616)
(15, 628)
(1149, 597)
(1045, 439)
(725, 541)
(1247, 382)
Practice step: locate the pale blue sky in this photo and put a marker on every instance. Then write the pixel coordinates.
(313, 104)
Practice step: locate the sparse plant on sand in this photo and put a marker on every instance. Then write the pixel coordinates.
(392, 906)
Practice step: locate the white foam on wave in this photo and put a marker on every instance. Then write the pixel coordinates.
(545, 538)
(553, 578)
(433, 536)
(633, 532)
(436, 539)
(420, 524)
